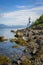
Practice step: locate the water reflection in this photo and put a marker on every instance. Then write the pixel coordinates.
(6, 47)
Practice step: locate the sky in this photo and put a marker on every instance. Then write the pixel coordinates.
(17, 12)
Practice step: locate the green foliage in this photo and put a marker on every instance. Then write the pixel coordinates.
(38, 21)
(41, 19)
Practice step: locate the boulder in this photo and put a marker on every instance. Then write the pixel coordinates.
(18, 34)
(13, 31)
(5, 60)
(34, 47)
(41, 57)
(2, 38)
(15, 46)
(25, 61)
(13, 39)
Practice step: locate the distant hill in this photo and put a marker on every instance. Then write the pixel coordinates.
(2, 26)
(13, 26)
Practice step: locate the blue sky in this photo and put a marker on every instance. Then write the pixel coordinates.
(17, 12)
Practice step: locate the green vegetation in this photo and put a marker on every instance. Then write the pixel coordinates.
(38, 24)
(39, 21)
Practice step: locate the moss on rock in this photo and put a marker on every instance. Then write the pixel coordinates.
(13, 39)
(15, 46)
(4, 59)
(21, 42)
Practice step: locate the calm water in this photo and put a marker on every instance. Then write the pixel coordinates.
(6, 47)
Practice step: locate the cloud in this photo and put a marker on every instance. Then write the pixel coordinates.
(21, 16)
(24, 7)
(39, 3)
(1, 15)
(18, 6)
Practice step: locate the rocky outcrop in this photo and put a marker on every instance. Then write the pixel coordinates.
(13, 31)
(32, 40)
(13, 39)
(2, 38)
(5, 60)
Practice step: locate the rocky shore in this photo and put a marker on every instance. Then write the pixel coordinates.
(33, 52)
(30, 38)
